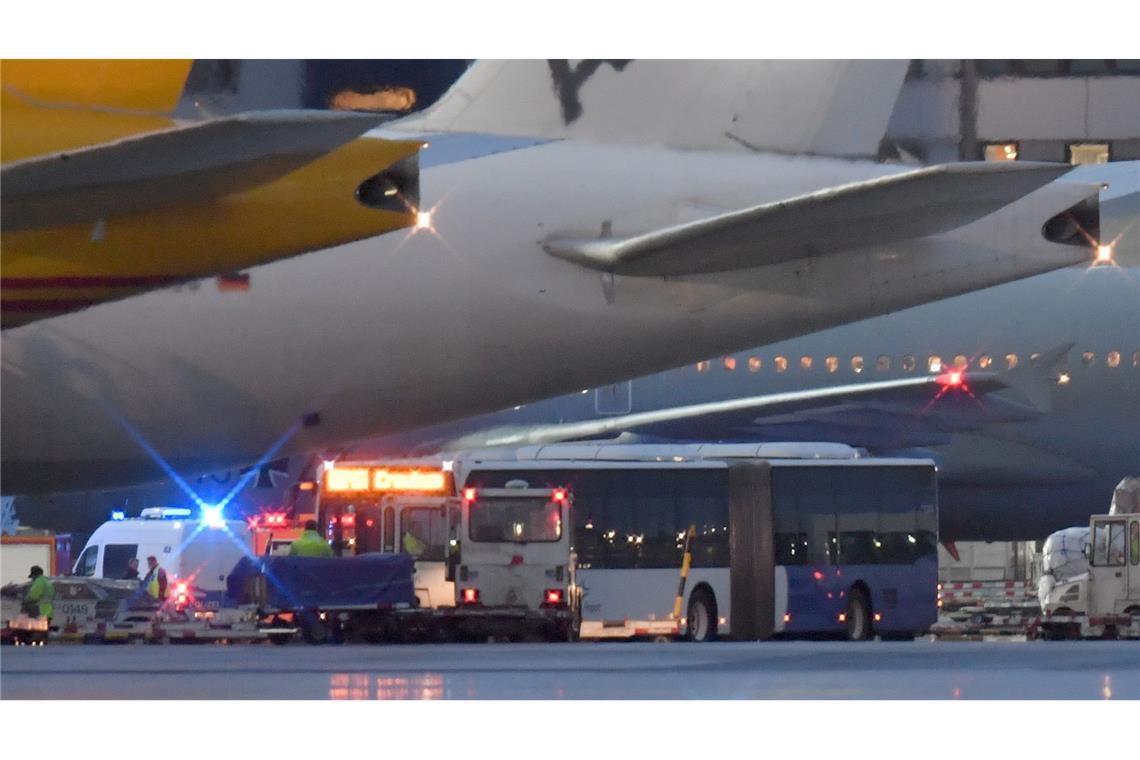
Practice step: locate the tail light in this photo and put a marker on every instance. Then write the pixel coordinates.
(470, 596)
(469, 494)
(878, 617)
(553, 596)
(559, 495)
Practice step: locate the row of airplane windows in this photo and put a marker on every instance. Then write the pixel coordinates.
(908, 363)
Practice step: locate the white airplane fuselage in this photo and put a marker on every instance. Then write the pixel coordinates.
(416, 328)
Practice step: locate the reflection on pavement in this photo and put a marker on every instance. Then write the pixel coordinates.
(362, 686)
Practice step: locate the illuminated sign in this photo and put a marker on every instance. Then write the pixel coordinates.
(386, 480)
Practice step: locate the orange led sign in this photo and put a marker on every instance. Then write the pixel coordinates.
(386, 480)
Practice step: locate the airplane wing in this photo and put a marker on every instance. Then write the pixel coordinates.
(886, 414)
(913, 204)
(186, 164)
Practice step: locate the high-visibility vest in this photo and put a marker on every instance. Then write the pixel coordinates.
(42, 591)
(310, 544)
(413, 545)
(153, 589)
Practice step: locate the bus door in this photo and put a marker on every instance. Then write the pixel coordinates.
(423, 531)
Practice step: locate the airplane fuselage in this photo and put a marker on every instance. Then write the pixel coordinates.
(407, 330)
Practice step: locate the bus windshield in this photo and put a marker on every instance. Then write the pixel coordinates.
(515, 520)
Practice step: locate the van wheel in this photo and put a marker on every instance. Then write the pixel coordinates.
(314, 631)
(858, 615)
(702, 616)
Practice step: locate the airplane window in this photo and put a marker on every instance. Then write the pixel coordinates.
(934, 363)
(805, 363)
(1136, 359)
(730, 363)
(781, 363)
(702, 366)
(960, 361)
(985, 361)
(1035, 356)
(1088, 357)
(857, 364)
(1114, 358)
(832, 363)
(908, 363)
(1000, 152)
(754, 364)
(1088, 153)
(1010, 361)
(883, 363)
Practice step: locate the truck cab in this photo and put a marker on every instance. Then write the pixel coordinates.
(1114, 565)
(514, 552)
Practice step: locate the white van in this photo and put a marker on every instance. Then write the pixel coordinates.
(198, 552)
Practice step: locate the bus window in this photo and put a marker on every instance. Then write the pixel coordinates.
(1134, 541)
(423, 533)
(389, 530)
(856, 507)
(116, 557)
(87, 562)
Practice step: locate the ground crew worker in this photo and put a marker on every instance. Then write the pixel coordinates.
(155, 579)
(40, 594)
(412, 544)
(132, 571)
(310, 543)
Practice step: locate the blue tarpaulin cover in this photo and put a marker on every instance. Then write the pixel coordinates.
(376, 580)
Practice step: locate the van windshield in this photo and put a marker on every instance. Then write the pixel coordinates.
(517, 521)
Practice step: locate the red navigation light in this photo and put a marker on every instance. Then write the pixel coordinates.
(469, 494)
(952, 379)
(559, 495)
(470, 596)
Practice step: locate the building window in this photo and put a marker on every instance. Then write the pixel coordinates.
(856, 364)
(984, 361)
(883, 363)
(1010, 361)
(1114, 358)
(1087, 358)
(960, 361)
(730, 363)
(805, 363)
(781, 363)
(1006, 151)
(754, 364)
(832, 363)
(1088, 153)
(909, 363)
(934, 363)
(702, 366)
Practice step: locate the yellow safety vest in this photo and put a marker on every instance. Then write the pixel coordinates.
(413, 545)
(42, 591)
(152, 587)
(310, 544)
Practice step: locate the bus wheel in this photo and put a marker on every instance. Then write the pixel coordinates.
(702, 616)
(858, 615)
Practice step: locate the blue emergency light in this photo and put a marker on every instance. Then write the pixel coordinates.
(212, 515)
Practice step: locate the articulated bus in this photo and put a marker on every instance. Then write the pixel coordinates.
(790, 539)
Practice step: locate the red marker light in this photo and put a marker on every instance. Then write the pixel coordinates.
(817, 575)
(307, 485)
(554, 596)
(953, 379)
(470, 596)
(559, 495)
(469, 494)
